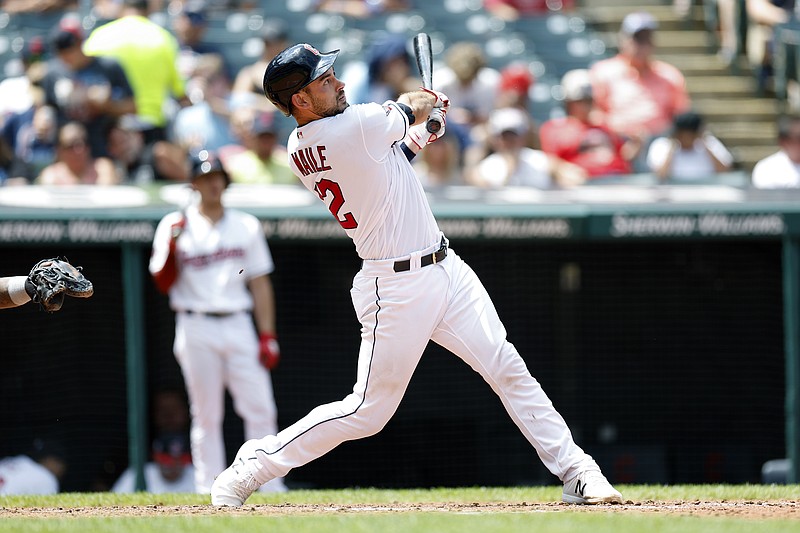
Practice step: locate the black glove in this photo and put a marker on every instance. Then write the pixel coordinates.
(51, 279)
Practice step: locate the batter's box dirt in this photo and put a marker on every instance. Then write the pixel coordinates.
(756, 510)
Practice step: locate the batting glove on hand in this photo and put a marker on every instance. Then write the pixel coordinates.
(269, 353)
(418, 137)
(442, 101)
(177, 228)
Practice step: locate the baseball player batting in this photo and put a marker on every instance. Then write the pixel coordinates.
(412, 287)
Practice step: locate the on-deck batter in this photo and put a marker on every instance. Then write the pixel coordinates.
(411, 288)
(198, 258)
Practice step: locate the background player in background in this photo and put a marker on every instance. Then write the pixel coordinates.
(215, 263)
(170, 470)
(411, 288)
(39, 471)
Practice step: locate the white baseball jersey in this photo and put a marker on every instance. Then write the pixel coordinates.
(210, 258)
(23, 475)
(387, 216)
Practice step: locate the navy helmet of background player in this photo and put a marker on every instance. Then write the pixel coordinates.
(206, 162)
(412, 288)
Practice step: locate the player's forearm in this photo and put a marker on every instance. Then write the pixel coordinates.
(420, 102)
(263, 304)
(12, 292)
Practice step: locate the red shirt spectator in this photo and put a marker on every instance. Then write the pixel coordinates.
(513, 9)
(639, 95)
(577, 139)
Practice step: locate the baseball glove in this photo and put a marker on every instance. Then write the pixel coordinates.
(51, 279)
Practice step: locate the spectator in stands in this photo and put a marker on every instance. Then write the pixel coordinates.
(263, 160)
(385, 75)
(90, 90)
(514, 9)
(781, 170)
(762, 17)
(471, 85)
(74, 163)
(37, 6)
(248, 89)
(141, 163)
(727, 13)
(637, 94)
(361, 9)
(40, 471)
(169, 471)
(513, 90)
(250, 79)
(31, 136)
(195, 56)
(691, 153)
(18, 94)
(439, 164)
(513, 163)
(207, 122)
(148, 53)
(579, 138)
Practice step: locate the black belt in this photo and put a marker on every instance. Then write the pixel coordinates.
(425, 260)
(210, 314)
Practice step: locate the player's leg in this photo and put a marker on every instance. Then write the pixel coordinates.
(472, 329)
(196, 350)
(397, 315)
(249, 384)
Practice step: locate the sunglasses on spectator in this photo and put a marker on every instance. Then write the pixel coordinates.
(643, 37)
(74, 145)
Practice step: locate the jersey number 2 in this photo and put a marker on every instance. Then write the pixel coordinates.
(324, 186)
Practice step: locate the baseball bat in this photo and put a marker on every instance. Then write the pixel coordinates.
(424, 55)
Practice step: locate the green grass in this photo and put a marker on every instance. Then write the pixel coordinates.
(611, 519)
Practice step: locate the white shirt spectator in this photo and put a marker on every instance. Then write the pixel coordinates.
(23, 475)
(533, 170)
(692, 164)
(479, 96)
(776, 171)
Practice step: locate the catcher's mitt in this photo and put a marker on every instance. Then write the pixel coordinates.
(51, 279)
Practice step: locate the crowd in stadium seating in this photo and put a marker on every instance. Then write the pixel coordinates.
(125, 100)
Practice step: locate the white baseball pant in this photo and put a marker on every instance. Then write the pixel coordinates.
(399, 314)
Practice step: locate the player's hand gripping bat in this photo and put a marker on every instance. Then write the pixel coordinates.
(424, 55)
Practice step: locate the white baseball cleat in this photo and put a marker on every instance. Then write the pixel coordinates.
(237, 482)
(590, 486)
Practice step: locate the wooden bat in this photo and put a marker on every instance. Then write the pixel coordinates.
(424, 55)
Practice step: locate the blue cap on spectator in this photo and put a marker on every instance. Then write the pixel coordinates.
(638, 21)
(195, 12)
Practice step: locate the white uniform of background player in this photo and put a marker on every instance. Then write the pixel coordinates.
(354, 160)
(216, 342)
(22, 475)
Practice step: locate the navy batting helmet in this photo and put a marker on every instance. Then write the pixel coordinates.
(206, 162)
(293, 69)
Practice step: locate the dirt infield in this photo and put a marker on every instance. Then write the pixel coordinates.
(756, 510)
